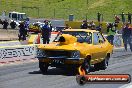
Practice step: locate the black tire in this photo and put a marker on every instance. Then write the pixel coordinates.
(72, 70)
(43, 67)
(102, 65)
(86, 66)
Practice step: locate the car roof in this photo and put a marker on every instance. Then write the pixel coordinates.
(17, 12)
(85, 30)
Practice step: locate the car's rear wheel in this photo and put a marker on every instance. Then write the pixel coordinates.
(102, 65)
(43, 67)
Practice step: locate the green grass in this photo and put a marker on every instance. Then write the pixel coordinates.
(60, 9)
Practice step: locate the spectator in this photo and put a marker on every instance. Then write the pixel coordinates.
(13, 24)
(5, 24)
(126, 35)
(115, 25)
(1, 21)
(129, 17)
(99, 27)
(67, 26)
(46, 32)
(84, 25)
(123, 17)
(99, 17)
(26, 25)
(110, 33)
(117, 19)
(22, 32)
(50, 25)
(92, 24)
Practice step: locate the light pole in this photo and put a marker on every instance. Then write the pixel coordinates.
(21, 6)
(87, 9)
(87, 2)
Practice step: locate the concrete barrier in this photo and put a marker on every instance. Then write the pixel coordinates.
(8, 34)
(16, 53)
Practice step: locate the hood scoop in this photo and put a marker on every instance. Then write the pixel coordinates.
(67, 39)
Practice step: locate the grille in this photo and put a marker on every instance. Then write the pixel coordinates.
(57, 53)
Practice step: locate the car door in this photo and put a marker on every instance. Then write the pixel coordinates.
(97, 47)
(102, 44)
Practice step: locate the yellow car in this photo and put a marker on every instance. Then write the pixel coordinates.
(35, 27)
(73, 48)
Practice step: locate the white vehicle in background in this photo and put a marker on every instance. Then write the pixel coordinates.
(14, 16)
(17, 16)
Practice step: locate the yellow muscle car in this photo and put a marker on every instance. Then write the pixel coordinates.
(73, 48)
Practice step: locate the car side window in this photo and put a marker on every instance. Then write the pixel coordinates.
(101, 37)
(84, 37)
(89, 38)
(95, 38)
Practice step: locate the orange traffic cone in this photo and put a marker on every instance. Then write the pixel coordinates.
(38, 38)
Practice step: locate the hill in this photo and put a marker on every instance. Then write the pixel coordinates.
(60, 9)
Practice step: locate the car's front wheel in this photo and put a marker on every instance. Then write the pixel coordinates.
(86, 66)
(102, 65)
(43, 67)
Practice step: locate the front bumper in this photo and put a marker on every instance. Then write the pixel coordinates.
(61, 61)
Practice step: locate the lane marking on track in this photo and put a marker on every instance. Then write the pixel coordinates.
(116, 48)
(19, 62)
(127, 86)
(16, 46)
(9, 41)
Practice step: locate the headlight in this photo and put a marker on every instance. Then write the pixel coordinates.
(75, 54)
(41, 53)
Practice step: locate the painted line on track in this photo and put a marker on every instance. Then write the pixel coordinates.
(19, 62)
(9, 41)
(16, 46)
(118, 48)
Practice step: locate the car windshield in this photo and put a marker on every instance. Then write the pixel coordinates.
(80, 35)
